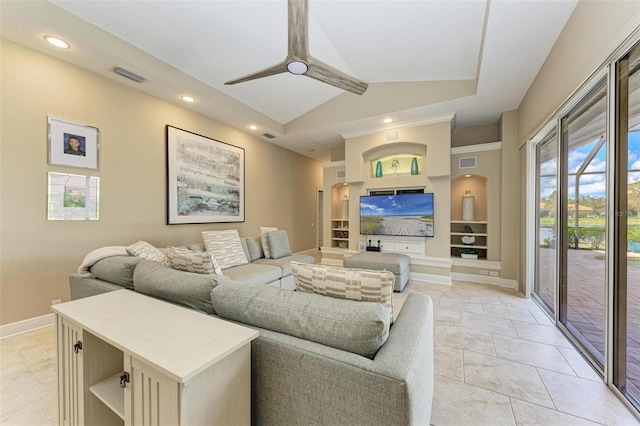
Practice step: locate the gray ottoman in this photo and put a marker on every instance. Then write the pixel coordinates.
(398, 264)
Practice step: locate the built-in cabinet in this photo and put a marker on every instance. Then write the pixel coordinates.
(469, 239)
(128, 359)
(340, 233)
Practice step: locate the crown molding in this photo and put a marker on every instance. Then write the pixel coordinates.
(491, 146)
(340, 163)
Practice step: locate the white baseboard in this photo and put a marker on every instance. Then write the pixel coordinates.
(27, 325)
(510, 284)
(484, 279)
(439, 279)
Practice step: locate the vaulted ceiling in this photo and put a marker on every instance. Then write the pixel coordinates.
(422, 59)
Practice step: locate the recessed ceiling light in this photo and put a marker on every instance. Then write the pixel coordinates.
(188, 98)
(387, 120)
(57, 42)
(252, 127)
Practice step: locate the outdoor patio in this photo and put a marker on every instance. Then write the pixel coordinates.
(586, 296)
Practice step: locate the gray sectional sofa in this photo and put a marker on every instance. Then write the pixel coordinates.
(318, 360)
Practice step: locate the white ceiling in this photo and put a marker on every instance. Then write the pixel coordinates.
(422, 59)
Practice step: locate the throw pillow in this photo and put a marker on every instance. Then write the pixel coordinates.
(345, 283)
(225, 247)
(193, 261)
(264, 230)
(146, 251)
(278, 244)
(255, 248)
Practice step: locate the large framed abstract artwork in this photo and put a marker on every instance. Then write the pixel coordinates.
(205, 179)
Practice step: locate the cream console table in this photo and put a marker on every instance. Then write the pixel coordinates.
(128, 359)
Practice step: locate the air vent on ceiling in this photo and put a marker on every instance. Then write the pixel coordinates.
(340, 174)
(268, 135)
(129, 75)
(467, 163)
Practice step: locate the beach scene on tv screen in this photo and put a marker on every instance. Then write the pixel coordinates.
(402, 215)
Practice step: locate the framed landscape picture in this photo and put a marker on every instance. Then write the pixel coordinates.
(205, 179)
(73, 144)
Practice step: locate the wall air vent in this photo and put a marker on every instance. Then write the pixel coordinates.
(268, 135)
(467, 163)
(340, 174)
(129, 75)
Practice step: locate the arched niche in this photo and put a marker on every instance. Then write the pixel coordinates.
(478, 186)
(395, 159)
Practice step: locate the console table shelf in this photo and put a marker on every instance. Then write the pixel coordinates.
(180, 366)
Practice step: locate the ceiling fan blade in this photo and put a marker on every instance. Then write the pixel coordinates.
(320, 71)
(273, 70)
(298, 29)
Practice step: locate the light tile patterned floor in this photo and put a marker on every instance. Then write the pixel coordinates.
(497, 362)
(500, 361)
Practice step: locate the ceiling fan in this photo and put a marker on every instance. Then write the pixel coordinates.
(299, 61)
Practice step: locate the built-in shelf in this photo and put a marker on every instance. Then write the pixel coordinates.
(111, 394)
(340, 233)
(479, 228)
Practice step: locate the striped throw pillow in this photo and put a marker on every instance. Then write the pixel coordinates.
(264, 230)
(225, 247)
(146, 251)
(345, 283)
(200, 262)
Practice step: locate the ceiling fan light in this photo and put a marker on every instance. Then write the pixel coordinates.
(297, 67)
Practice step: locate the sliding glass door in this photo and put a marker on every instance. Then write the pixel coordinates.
(546, 219)
(587, 221)
(627, 217)
(583, 252)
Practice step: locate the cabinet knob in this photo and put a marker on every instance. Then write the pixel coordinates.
(77, 347)
(124, 379)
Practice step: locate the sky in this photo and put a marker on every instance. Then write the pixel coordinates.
(398, 205)
(590, 185)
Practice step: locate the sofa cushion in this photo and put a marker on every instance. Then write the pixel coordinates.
(116, 269)
(360, 328)
(255, 248)
(192, 261)
(353, 284)
(184, 288)
(264, 230)
(254, 273)
(225, 246)
(278, 244)
(284, 263)
(146, 251)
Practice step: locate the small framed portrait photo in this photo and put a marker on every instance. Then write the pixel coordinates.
(73, 144)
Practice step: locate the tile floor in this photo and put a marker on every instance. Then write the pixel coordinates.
(498, 361)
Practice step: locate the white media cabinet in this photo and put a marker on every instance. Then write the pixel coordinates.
(128, 359)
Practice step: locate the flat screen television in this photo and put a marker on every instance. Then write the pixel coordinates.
(406, 215)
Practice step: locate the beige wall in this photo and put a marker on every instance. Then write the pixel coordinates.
(475, 134)
(37, 255)
(510, 221)
(433, 142)
(593, 32)
(488, 166)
